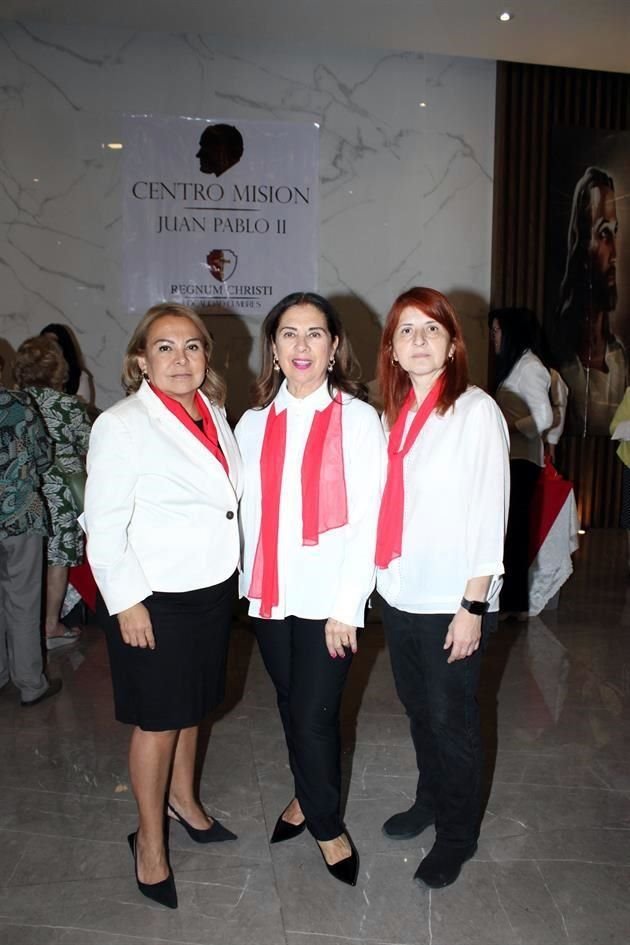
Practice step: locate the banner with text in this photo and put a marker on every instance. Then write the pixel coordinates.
(221, 215)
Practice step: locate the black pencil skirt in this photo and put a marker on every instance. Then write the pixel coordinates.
(179, 682)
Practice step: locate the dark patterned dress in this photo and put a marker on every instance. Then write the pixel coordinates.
(68, 427)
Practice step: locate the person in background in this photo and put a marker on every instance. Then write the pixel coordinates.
(313, 453)
(559, 397)
(41, 370)
(25, 455)
(620, 430)
(79, 381)
(439, 554)
(164, 476)
(522, 385)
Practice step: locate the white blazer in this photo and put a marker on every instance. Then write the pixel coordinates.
(160, 513)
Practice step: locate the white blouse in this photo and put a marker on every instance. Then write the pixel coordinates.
(335, 577)
(457, 484)
(524, 400)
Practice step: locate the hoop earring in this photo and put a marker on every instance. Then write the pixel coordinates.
(331, 364)
(394, 360)
(276, 364)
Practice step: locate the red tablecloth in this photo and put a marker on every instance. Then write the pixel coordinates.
(83, 581)
(553, 537)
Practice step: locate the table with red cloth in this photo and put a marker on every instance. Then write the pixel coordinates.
(553, 537)
(82, 580)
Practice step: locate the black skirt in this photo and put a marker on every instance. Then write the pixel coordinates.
(179, 682)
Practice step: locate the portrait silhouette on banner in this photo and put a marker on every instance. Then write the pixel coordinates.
(220, 148)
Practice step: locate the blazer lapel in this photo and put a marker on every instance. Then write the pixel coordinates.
(186, 442)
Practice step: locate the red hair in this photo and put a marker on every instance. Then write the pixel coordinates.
(394, 381)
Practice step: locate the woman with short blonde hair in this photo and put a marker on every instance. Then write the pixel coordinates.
(213, 385)
(162, 539)
(41, 370)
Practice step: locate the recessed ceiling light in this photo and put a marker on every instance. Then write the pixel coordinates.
(422, 104)
(36, 180)
(505, 17)
(115, 146)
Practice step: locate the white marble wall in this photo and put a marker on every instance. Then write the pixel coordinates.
(406, 193)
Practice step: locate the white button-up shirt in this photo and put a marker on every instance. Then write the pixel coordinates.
(335, 577)
(457, 484)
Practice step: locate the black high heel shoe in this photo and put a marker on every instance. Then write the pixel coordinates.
(217, 833)
(164, 892)
(286, 831)
(346, 870)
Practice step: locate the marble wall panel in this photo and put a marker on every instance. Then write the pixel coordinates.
(406, 190)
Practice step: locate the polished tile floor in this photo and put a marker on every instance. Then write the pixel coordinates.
(553, 865)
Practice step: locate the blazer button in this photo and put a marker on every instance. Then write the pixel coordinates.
(229, 514)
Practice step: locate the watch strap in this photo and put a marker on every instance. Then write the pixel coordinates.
(476, 607)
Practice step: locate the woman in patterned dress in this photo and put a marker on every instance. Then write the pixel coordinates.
(41, 370)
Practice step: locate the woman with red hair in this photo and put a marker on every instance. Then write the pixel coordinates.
(439, 558)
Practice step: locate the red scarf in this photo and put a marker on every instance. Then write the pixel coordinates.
(324, 502)
(209, 436)
(390, 518)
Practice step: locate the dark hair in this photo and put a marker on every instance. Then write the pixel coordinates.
(345, 374)
(70, 349)
(394, 381)
(520, 332)
(575, 294)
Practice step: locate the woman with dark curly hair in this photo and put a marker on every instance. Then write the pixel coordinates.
(313, 453)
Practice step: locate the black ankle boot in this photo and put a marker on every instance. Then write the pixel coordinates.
(442, 864)
(410, 823)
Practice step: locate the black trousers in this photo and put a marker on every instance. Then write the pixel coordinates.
(515, 591)
(309, 685)
(440, 699)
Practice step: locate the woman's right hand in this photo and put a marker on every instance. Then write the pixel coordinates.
(135, 627)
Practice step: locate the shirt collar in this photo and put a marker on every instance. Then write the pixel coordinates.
(318, 400)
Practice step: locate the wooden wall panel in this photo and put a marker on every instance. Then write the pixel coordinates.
(530, 102)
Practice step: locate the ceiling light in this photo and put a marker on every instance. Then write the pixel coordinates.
(115, 146)
(505, 17)
(422, 104)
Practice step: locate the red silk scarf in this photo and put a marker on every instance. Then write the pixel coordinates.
(390, 518)
(324, 500)
(209, 436)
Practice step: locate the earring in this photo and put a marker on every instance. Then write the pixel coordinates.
(451, 356)
(331, 364)
(276, 364)
(394, 360)
(145, 375)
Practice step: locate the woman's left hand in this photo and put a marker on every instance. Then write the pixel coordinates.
(463, 636)
(338, 636)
